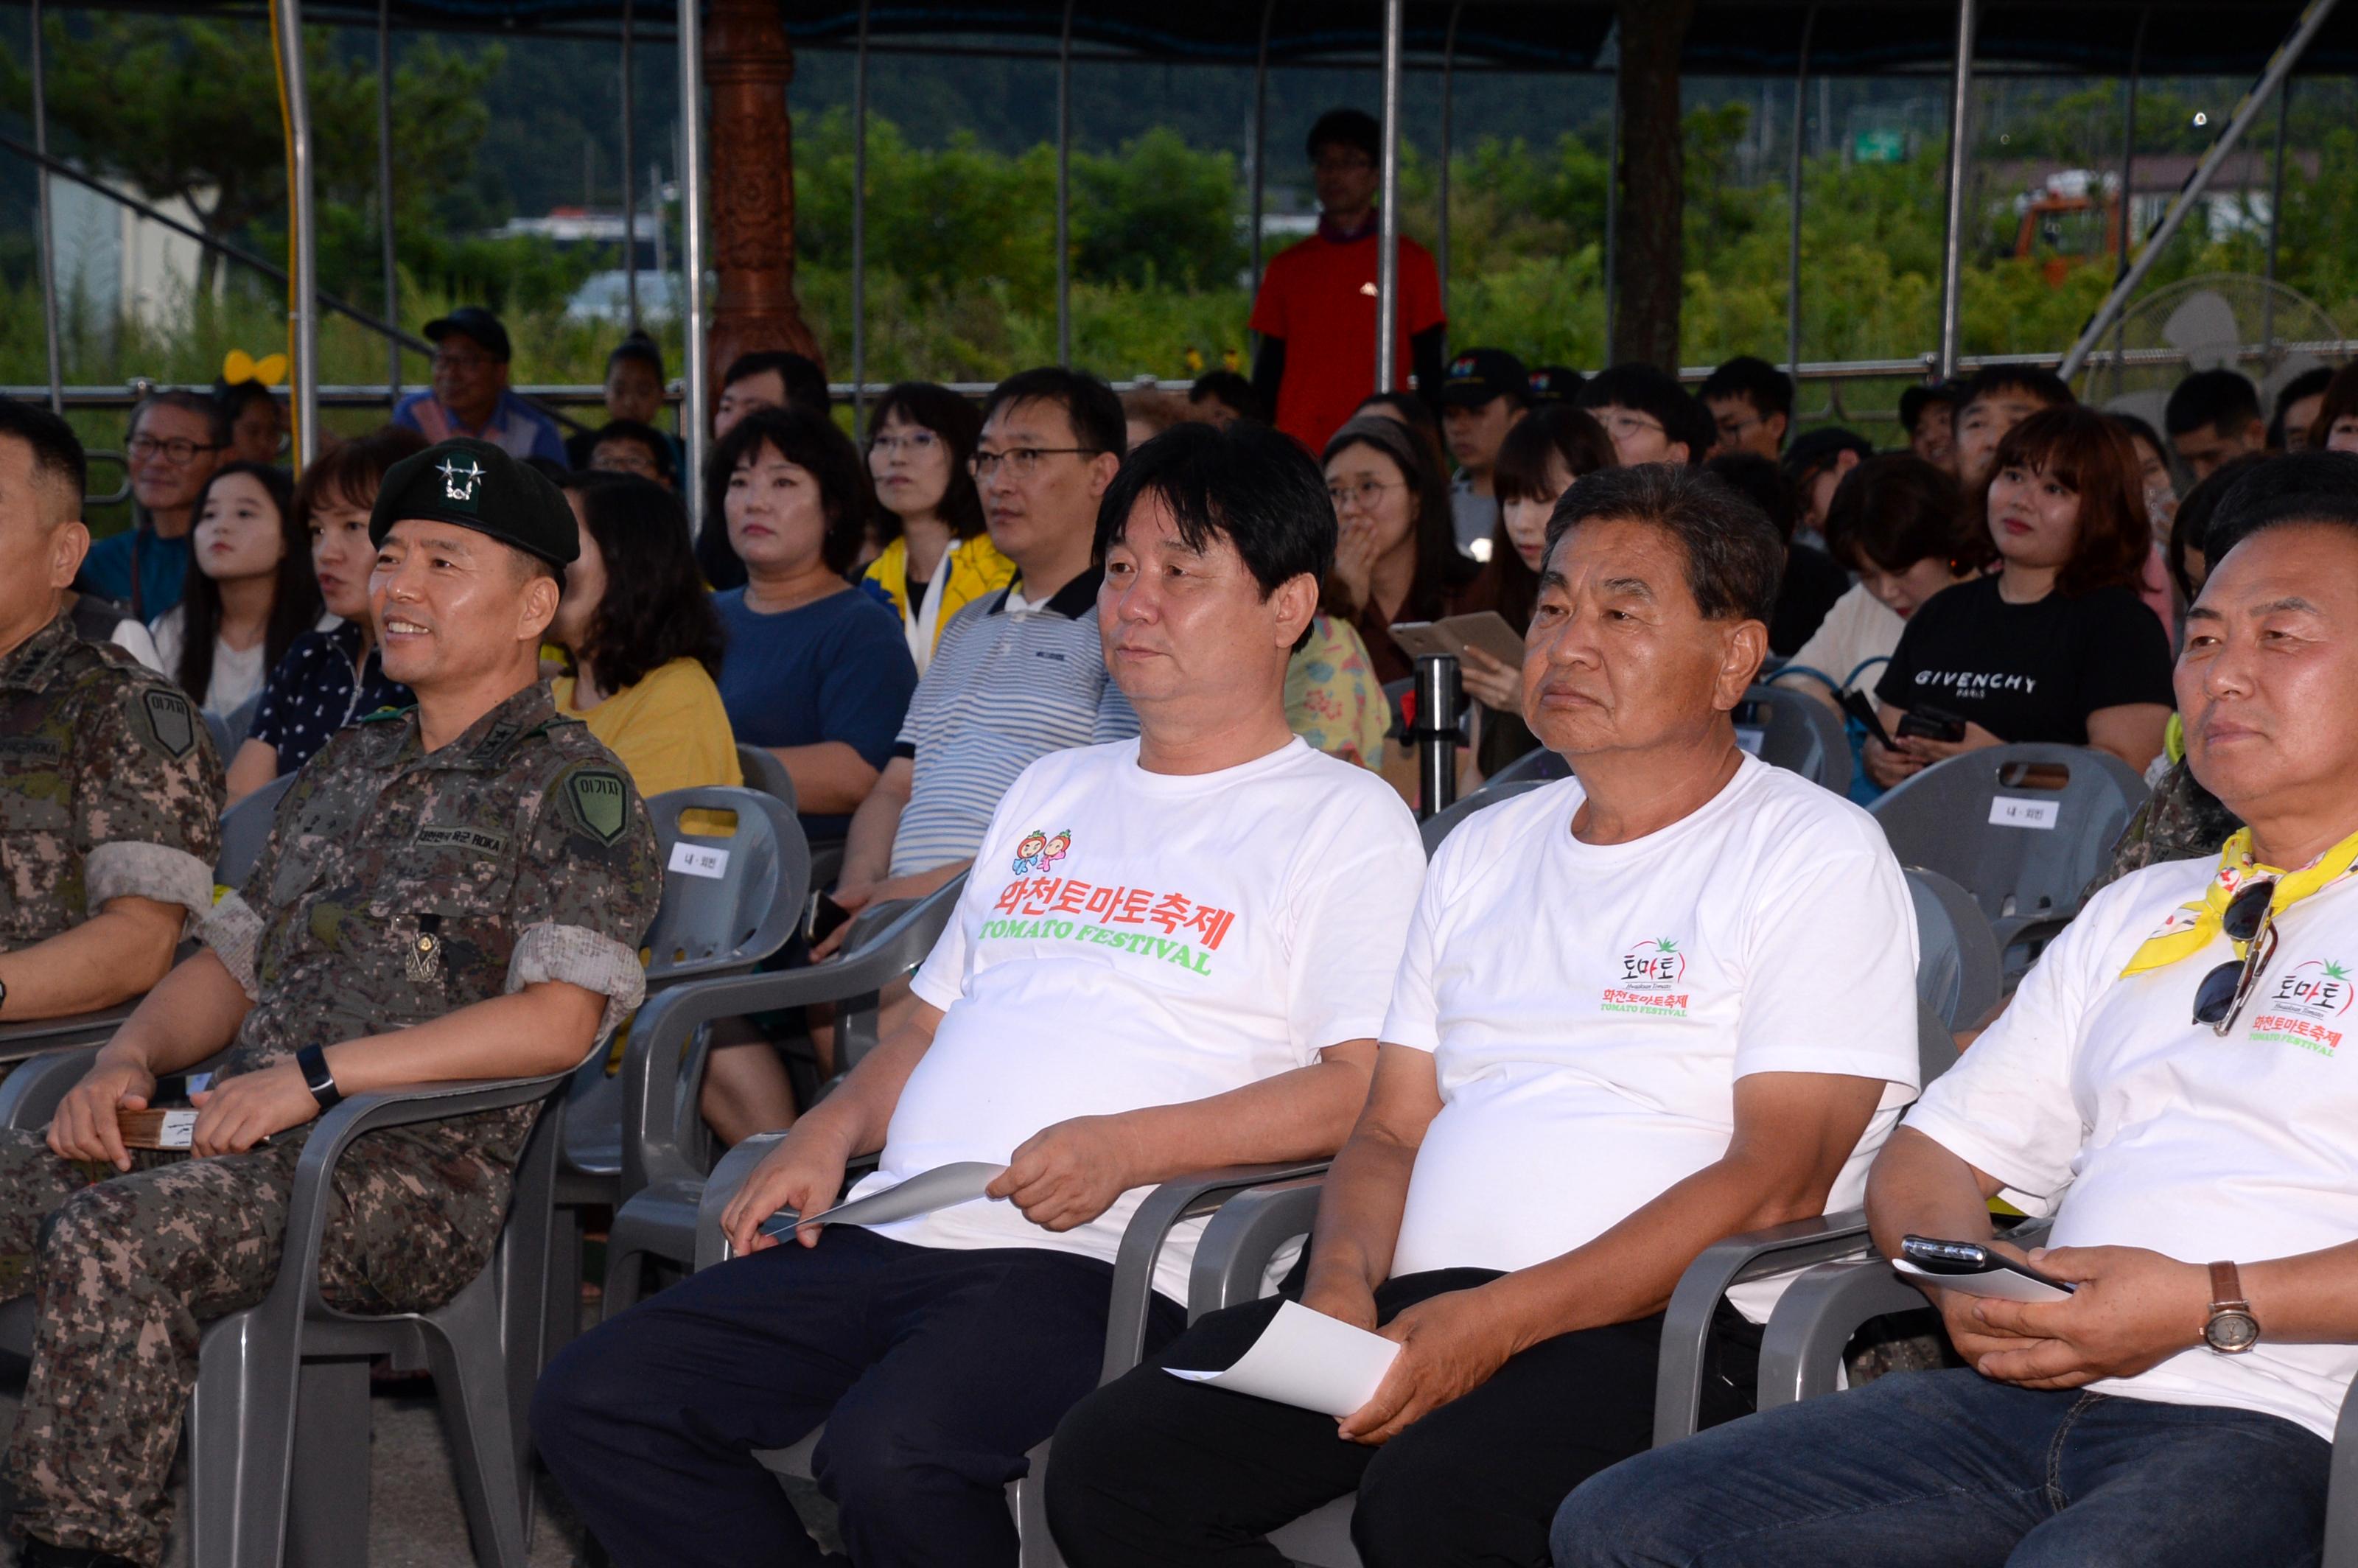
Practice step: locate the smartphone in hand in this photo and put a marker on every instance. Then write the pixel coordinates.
(1976, 1270)
(1931, 724)
(1859, 707)
(819, 922)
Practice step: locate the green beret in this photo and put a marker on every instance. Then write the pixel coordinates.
(478, 486)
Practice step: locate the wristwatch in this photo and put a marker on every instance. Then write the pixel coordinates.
(2231, 1329)
(312, 1062)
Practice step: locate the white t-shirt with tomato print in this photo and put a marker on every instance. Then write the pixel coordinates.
(1129, 939)
(1589, 1007)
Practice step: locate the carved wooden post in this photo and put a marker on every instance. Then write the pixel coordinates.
(1651, 266)
(746, 64)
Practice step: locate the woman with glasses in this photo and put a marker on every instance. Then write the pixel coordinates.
(1395, 555)
(250, 596)
(937, 557)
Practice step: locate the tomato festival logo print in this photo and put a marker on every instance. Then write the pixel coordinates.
(2304, 1010)
(1038, 851)
(1651, 982)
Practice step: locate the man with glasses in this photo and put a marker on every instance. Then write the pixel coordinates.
(175, 442)
(1316, 309)
(1751, 402)
(2169, 1084)
(470, 395)
(1018, 674)
(1650, 417)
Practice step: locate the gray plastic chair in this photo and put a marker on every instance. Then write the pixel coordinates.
(1957, 972)
(1788, 730)
(294, 1365)
(1539, 763)
(667, 1152)
(246, 828)
(1976, 819)
(1441, 824)
(708, 924)
(764, 772)
(1181, 1198)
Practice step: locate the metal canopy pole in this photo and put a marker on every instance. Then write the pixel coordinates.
(2280, 65)
(1794, 191)
(630, 176)
(1961, 103)
(2275, 221)
(1612, 193)
(384, 195)
(1387, 219)
(694, 426)
(1260, 134)
(859, 223)
(303, 304)
(2129, 188)
(1065, 189)
(1448, 113)
(48, 258)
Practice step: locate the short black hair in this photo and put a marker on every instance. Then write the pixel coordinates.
(1248, 482)
(1229, 387)
(1095, 412)
(1989, 380)
(2311, 383)
(56, 452)
(2300, 487)
(806, 384)
(1921, 395)
(1895, 509)
(952, 418)
(1735, 558)
(1653, 391)
(654, 609)
(640, 347)
(1760, 481)
(2191, 528)
(808, 440)
(2138, 429)
(647, 436)
(216, 417)
(1767, 388)
(2222, 400)
(233, 397)
(1348, 128)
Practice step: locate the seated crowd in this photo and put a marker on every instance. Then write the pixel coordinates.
(1122, 663)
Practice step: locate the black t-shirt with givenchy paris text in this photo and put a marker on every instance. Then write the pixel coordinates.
(2029, 672)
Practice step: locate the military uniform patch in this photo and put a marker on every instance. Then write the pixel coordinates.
(600, 803)
(169, 721)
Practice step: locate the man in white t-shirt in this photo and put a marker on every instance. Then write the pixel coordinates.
(2168, 1083)
(1171, 953)
(1664, 1001)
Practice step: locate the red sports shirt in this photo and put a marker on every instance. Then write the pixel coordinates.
(1319, 296)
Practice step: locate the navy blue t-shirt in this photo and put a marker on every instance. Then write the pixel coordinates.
(834, 670)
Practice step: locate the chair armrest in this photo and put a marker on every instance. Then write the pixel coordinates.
(719, 1188)
(30, 1093)
(2341, 1489)
(1244, 1235)
(1180, 1198)
(21, 1040)
(1686, 1323)
(1801, 1350)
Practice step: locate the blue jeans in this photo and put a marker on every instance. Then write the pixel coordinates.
(1952, 1470)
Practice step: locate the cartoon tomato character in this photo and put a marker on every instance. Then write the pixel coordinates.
(1057, 849)
(1027, 853)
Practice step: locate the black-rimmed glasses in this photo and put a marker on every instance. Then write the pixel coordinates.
(2219, 1001)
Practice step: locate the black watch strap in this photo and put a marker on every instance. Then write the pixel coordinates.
(313, 1063)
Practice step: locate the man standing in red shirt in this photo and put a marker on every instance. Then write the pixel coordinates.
(1316, 312)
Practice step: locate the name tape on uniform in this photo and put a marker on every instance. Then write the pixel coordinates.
(2014, 811)
(698, 859)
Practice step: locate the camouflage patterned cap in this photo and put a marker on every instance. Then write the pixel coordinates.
(478, 486)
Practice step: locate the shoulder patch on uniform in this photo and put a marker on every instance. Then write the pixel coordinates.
(599, 803)
(170, 722)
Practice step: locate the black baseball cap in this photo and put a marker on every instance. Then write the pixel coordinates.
(476, 485)
(1478, 375)
(473, 322)
(1819, 448)
(1555, 384)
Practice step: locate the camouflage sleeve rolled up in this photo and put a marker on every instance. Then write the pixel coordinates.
(586, 888)
(147, 801)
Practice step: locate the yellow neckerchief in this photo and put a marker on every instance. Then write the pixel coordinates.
(2189, 928)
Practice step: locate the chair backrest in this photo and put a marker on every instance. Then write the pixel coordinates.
(1437, 826)
(224, 747)
(1936, 1047)
(246, 828)
(1539, 763)
(728, 902)
(2024, 829)
(764, 772)
(1958, 967)
(1790, 730)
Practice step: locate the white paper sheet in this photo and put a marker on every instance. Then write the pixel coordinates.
(921, 1193)
(1307, 1359)
(2003, 1283)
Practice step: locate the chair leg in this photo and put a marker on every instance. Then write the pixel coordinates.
(240, 1444)
(328, 1512)
(1035, 1547)
(564, 1254)
(470, 1377)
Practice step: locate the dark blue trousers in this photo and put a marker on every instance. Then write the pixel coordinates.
(1952, 1470)
(934, 1370)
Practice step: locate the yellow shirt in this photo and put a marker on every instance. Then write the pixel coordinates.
(669, 730)
(967, 571)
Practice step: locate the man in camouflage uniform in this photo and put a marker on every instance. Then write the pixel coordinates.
(109, 788)
(457, 891)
